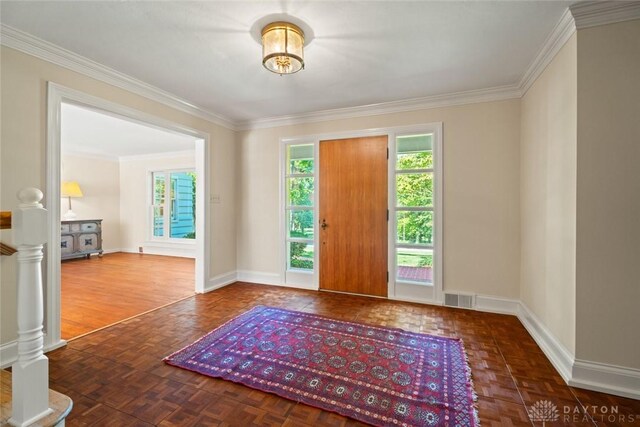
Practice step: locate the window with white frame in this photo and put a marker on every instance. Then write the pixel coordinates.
(299, 206)
(173, 205)
(414, 208)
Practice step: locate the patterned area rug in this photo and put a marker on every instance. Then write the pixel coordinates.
(380, 376)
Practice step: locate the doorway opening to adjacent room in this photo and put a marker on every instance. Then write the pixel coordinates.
(129, 238)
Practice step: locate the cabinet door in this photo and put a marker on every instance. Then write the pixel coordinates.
(66, 245)
(88, 241)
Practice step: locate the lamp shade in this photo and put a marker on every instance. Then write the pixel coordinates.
(71, 189)
(282, 48)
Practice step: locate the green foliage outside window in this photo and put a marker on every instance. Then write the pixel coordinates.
(299, 256)
(300, 193)
(415, 190)
(301, 224)
(300, 166)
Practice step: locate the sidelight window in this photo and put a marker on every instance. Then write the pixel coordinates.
(414, 208)
(299, 205)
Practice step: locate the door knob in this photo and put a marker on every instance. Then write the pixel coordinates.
(324, 224)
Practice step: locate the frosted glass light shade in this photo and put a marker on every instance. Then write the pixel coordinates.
(282, 48)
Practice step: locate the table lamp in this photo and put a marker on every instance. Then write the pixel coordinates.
(70, 189)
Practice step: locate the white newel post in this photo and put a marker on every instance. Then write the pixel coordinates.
(31, 370)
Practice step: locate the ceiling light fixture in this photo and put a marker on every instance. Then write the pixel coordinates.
(282, 48)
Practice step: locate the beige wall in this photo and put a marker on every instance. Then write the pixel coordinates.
(134, 193)
(99, 180)
(542, 195)
(548, 195)
(23, 136)
(481, 192)
(608, 196)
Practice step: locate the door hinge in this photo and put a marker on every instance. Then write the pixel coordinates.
(387, 214)
(387, 153)
(387, 276)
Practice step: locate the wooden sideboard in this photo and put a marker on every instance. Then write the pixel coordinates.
(80, 238)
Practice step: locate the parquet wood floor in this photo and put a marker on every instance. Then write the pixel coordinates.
(116, 376)
(100, 291)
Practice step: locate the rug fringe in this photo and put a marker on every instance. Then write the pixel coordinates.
(470, 385)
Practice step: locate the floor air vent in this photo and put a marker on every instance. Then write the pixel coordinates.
(459, 300)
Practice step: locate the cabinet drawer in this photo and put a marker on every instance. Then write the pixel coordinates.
(89, 226)
(66, 245)
(64, 228)
(88, 241)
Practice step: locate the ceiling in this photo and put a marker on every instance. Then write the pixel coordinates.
(361, 53)
(91, 132)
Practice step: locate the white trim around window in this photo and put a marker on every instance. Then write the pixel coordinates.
(165, 239)
(296, 277)
(406, 291)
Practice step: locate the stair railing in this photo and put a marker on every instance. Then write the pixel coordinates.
(30, 373)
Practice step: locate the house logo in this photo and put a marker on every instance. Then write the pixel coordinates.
(544, 411)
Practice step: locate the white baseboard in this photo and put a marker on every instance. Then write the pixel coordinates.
(415, 300)
(259, 277)
(309, 287)
(272, 279)
(498, 305)
(556, 352)
(9, 352)
(221, 280)
(164, 251)
(112, 250)
(618, 380)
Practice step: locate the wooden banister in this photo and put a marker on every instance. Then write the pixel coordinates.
(6, 249)
(5, 224)
(5, 220)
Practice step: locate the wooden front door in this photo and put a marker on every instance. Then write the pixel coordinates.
(353, 215)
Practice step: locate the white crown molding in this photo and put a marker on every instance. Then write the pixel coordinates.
(152, 156)
(24, 42)
(580, 15)
(593, 13)
(563, 30)
(446, 100)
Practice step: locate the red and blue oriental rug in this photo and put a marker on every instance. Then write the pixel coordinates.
(379, 376)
